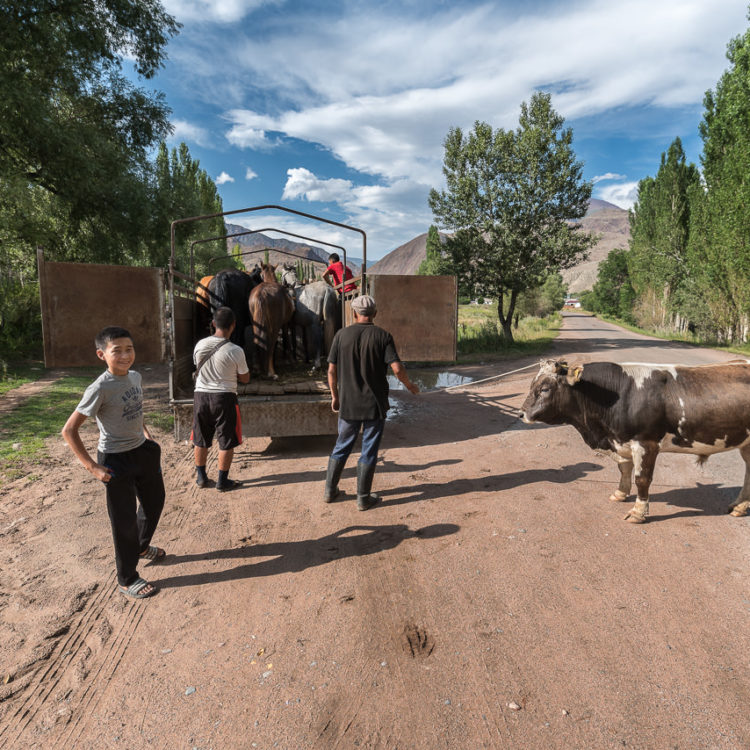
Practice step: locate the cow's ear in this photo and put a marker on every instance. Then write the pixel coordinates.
(561, 366)
(574, 374)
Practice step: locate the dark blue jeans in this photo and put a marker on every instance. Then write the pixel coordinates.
(372, 433)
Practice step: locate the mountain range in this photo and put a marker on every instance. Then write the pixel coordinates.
(607, 221)
(282, 250)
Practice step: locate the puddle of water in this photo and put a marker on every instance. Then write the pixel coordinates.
(429, 380)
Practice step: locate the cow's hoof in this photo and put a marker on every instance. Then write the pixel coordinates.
(618, 497)
(634, 517)
(738, 512)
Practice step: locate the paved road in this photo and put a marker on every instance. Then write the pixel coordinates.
(495, 599)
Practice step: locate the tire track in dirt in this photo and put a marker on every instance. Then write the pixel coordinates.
(81, 664)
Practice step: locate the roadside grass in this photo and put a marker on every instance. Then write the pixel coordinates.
(25, 428)
(479, 334)
(683, 338)
(13, 375)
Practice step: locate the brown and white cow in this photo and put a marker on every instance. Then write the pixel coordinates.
(637, 410)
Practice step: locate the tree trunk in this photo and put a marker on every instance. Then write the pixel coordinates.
(506, 320)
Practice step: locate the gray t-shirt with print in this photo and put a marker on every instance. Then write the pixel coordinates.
(117, 403)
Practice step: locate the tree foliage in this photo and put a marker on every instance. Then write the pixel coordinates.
(613, 292)
(720, 240)
(74, 131)
(181, 189)
(434, 263)
(689, 258)
(660, 230)
(544, 299)
(511, 200)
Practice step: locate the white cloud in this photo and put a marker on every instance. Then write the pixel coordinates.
(386, 111)
(607, 177)
(250, 174)
(190, 133)
(623, 195)
(359, 85)
(304, 184)
(243, 134)
(222, 178)
(222, 11)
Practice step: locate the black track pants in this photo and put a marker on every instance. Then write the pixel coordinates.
(136, 476)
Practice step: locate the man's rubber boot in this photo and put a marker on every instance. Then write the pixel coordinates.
(365, 499)
(335, 468)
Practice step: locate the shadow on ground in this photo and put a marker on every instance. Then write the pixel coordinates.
(295, 556)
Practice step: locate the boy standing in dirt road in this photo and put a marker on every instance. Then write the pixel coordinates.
(221, 365)
(128, 461)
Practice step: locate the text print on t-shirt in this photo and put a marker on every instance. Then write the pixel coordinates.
(132, 403)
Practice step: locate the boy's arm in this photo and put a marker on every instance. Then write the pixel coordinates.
(73, 439)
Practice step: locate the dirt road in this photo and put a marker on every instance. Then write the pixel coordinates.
(495, 599)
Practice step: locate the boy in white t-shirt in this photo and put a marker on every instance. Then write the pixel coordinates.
(221, 364)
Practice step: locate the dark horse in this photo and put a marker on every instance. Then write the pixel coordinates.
(270, 309)
(231, 288)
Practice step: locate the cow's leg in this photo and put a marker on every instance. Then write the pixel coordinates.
(644, 458)
(741, 505)
(625, 465)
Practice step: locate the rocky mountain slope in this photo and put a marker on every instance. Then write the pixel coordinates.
(604, 219)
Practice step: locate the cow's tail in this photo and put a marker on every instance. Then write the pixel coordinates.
(701, 459)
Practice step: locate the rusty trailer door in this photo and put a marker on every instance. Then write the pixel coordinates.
(420, 312)
(79, 299)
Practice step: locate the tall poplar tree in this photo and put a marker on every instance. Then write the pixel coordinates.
(660, 230)
(720, 240)
(512, 199)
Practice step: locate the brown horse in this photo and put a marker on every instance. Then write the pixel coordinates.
(203, 313)
(270, 309)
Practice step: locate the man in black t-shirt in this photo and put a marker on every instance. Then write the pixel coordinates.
(357, 365)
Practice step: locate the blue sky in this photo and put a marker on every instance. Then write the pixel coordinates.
(340, 109)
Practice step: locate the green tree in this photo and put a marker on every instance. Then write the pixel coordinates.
(720, 232)
(544, 299)
(434, 263)
(74, 132)
(512, 199)
(613, 293)
(660, 231)
(182, 189)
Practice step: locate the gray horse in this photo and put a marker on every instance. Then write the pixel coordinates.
(316, 314)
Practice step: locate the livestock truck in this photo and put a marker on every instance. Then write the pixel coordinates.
(161, 309)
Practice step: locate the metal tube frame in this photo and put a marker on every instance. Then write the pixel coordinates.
(252, 209)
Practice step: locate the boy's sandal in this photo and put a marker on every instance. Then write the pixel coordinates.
(136, 589)
(154, 554)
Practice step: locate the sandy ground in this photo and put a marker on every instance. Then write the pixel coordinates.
(495, 599)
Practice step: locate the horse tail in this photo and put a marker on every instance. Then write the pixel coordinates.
(220, 291)
(259, 317)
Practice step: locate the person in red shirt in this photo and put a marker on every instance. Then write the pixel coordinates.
(335, 274)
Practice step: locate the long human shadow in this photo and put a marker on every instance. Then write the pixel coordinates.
(295, 556)
(487, 483)
(384, 465)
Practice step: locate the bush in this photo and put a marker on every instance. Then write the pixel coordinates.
(20, 321)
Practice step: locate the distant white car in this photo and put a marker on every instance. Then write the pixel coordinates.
(572, 302)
